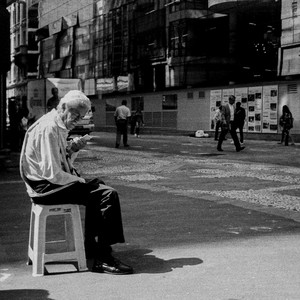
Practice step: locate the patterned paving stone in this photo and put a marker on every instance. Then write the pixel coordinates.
(263, 184)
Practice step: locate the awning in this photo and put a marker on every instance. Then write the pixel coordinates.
(56, 65)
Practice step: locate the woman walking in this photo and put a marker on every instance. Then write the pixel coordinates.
(286, 122)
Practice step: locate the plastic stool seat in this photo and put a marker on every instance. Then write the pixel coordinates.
(72, 232)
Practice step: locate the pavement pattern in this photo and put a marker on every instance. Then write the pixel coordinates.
(275, 186)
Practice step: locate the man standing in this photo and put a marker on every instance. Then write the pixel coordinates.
(47, 170)
(239, 120)
(228, 110)
(122, 115)
(54, 100)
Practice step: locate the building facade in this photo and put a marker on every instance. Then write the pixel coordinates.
(23, 46)
(171, 57)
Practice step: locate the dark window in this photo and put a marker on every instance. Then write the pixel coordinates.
(137, 102)
(201, 94)
(169, 102)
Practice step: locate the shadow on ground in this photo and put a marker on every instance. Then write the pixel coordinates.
(25, 294)
(144, 262)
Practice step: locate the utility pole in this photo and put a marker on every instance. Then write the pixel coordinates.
(4, 67)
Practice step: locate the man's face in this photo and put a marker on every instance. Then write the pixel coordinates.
(71, 116)
(231, 100)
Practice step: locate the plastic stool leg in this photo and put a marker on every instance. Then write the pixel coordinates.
(39, 244)
(29, 260)
(78, 239)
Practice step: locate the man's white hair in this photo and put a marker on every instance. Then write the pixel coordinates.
(75, 99)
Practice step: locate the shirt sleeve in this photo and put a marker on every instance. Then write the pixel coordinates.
(50, 160)
(116, 113)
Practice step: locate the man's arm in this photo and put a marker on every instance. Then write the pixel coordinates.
(51, 160)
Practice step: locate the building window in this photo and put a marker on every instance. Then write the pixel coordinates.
(137, 102)
(201, 94)
(169, 102)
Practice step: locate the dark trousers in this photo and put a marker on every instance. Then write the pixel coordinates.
(285, 136)
(233, 134)
(121, 130)
(218, 126)
(103, 220)
(241, 131)
(132, 127)
(138, 128)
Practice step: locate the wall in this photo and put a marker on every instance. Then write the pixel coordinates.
(194, 113)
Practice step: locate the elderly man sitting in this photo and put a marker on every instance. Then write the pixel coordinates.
(46, 167)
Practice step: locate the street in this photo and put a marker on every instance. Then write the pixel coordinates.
(199, 224)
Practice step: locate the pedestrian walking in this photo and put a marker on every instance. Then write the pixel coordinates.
(132, 123)
(229, 125)
(139, 122)
(239, 120)
(286, 122)
(122, 115)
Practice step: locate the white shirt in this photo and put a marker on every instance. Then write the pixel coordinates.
(231, 107)
(122, 112)
(43, 155)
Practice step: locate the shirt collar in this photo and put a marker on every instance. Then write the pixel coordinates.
(58, 120)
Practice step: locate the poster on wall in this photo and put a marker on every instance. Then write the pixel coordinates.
(225, 95)
(215, 101)
(254, 109)
(241, 95)
(270, 108)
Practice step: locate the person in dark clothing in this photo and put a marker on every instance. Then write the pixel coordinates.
(139, 122)
(54, 100)
(229, 125)
(239, 120)
(132, 123)
(18, 114)
(14, 123)
(286, 122)
(122, 115)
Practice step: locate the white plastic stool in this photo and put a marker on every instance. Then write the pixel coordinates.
(37, 237)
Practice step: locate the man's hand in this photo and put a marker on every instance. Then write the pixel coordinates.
(81, 180)
(77, 144)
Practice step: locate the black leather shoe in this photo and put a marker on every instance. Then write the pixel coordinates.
(112, 266)
(117, 146)
(240, 149)
(126, 145)
(220, 149)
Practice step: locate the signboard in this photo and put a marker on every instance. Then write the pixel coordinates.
(259, 102)
(270, 108)
(254, 109)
